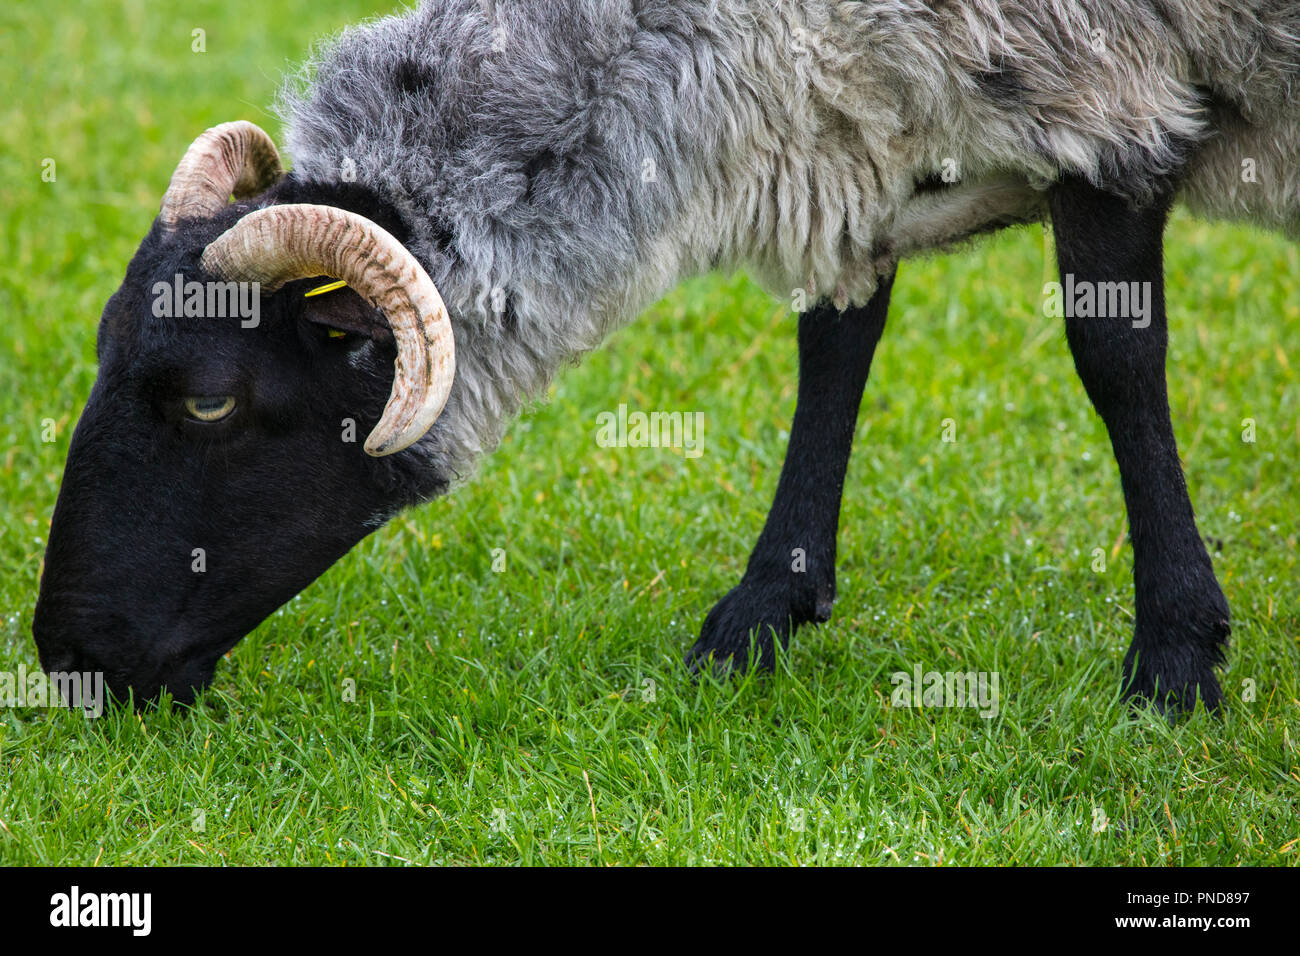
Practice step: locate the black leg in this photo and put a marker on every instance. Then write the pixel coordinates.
(1182, 617)
(790, 579)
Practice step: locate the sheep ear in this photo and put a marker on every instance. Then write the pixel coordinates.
(346, 311)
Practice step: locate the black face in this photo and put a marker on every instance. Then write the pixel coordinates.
(213, 473)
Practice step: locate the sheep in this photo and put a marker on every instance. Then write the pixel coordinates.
(502, 184)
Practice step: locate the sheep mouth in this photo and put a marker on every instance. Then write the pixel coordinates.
(76, 637)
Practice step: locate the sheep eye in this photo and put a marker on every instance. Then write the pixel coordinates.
(210, 409)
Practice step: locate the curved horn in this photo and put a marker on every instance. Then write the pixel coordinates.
(236, 158)
(278, 244)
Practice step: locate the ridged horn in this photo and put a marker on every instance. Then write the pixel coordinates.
(233, 158)
(279, 244)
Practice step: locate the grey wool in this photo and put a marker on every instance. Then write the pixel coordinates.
(563, 163)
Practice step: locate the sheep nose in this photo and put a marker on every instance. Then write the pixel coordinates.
(60, 664)
(55, 654)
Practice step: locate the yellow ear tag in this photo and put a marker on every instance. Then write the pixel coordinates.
(337, 334)
(322, 289)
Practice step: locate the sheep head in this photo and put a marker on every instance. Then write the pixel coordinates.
(215, 470)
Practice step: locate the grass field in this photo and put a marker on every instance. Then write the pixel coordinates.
(541, 714)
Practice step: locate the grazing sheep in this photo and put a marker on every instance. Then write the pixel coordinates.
(549, 168)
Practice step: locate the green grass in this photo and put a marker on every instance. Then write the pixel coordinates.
(541, 714)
